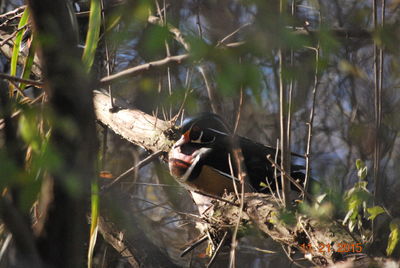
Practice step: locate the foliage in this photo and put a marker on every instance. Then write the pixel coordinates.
(357, 199)
(88, 57)
(17, 44)
(394, 236)
(93, 32)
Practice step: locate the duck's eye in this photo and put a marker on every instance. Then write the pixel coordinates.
(199, 136)
(196, 134)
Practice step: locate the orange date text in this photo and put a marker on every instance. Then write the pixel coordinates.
(327, 248)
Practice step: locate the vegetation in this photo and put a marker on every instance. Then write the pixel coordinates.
(92, 94)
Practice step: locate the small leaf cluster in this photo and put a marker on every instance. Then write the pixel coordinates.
(357, 199)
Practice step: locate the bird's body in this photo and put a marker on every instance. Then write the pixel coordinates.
(202, 160)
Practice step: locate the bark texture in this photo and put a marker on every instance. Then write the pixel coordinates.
(144, 130)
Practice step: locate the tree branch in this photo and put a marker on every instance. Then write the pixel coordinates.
(143, 68)
(150, 133)
(305, 235)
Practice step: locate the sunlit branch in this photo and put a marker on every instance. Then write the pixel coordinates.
(143, 68)
(311, 120)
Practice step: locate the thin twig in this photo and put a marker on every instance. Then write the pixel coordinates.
(156, 184)
(175, 31)
(17, 89)
(190, 215)
(104, 147)
(168, 68)
(232, 34)
(233, 176)
(290, 178)
(153, 64)
(284, 143)
(239, 111)
(377, 99)
(217, 250)
(188, 82)
(308, 235)
(108, 69)
(276, 174)
(198, 22)
(290, 258)
(21, 80)
(10, 19)
(311, 121)
(285, 156)
(143, 68)
(238, 156)
(13, 35)
(279, 202)
(291, 84)
(379, 103)
(13, 12)
(135, 211)
(217, 198)
(212, 94)
(139, 165)
(266, 251)
(5, 245)
(194, 245)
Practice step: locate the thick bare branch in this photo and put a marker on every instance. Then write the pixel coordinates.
(135, 126)
(318, 241)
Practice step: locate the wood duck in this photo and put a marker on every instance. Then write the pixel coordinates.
(202, 162)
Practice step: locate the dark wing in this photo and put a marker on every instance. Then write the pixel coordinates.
(260, 169)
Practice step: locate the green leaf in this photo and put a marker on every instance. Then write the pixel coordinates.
(394, 236)
(359, 164)
(113, 21)
(28, 63)
(8, 170)
(362, 169)
(198, 48)
(263, 184)
(94, 221)
(154, 41)
(28, 130)
(287, 217)
(350, 69)
(374, 212)
(17, 44)
(28, 193)
(92, 36)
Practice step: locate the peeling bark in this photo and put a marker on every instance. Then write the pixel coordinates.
(262, 211)
(144, 130)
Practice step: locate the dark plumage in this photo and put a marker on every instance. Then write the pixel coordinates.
(200, 159)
